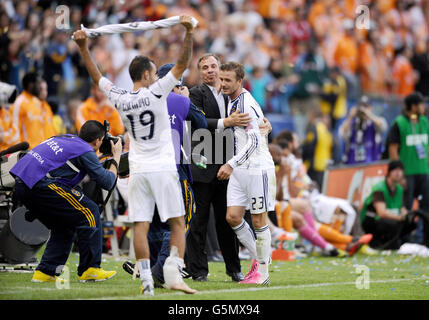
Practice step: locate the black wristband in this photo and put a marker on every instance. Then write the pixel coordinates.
(113, 161)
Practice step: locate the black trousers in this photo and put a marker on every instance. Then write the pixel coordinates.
(207, 194)
(387, 233)
(67, 213)
(418, 184)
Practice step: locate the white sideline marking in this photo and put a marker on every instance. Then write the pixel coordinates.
(25, 289)
(246, 288)
(243, 288)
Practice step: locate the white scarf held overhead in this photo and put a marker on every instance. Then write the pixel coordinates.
(134, 26)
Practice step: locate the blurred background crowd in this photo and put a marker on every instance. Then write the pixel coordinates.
(306, 60)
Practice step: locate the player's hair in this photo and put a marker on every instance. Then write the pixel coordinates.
(205, 56)
(92, 130)
(284, 135)
(138, 66)
(283, 143)
(238, 68)
(29, 79)
(414, 98)
(393, 165)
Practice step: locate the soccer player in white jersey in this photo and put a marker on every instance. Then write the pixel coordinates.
(251, 173)
(153, 174)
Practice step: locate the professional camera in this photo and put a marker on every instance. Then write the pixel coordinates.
(7, 93)
(105, 147)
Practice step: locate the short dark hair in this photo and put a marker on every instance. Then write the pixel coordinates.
(30, 78)
(393, 165)
(283, 143)
(238, 68)
(207, 55)
(138, 66)
(285, 135)
(92, 130)
(414, 98)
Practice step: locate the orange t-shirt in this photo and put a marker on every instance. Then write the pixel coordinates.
(346, 54)
(27, 120)
(373, 69)
(4, 126)
(403, 75)
(90, 110)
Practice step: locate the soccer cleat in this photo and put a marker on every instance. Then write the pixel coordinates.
(147, 288)
(341, 253)
(96, 274)
(128, 267)
(39, 277)
(353, 247)
(335, 252)
(185, 273)
(253, 269)
(256, 278)
(367, 250)
(365, 239)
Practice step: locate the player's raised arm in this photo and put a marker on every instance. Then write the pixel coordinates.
(186, 53)
(81, 39)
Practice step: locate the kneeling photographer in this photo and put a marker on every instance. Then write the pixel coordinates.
(46, 183)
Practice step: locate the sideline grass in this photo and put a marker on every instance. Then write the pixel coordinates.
(312, 278)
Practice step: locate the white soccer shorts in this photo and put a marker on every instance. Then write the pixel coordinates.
(254, 189)
(150, 188)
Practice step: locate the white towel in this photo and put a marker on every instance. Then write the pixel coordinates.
(134, 26)
(414, 249)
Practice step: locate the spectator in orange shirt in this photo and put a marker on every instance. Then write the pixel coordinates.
(3, 127)
(7, 95)
(346, 53)
(48, 116)
(27, 116)
(404, 77)
(97, 107)
(372, 65)
(346, 58)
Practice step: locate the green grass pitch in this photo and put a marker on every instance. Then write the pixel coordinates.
(379, 277)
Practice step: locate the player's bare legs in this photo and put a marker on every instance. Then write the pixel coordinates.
(235, 215)
(141, 249)
(141, 245)
(177, 238)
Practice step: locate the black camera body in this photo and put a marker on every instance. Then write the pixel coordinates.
(106, 147)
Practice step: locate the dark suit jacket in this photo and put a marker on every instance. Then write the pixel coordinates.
(203, 98)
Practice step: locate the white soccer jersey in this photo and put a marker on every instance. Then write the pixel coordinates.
(145, 116)
(324, 209)
(250, 148)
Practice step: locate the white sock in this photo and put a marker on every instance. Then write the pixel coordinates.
(329, 247)
(144, 269)
(246, 237)
(263, 249)
(277, 232)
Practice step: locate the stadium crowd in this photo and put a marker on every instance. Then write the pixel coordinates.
(311, 62)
